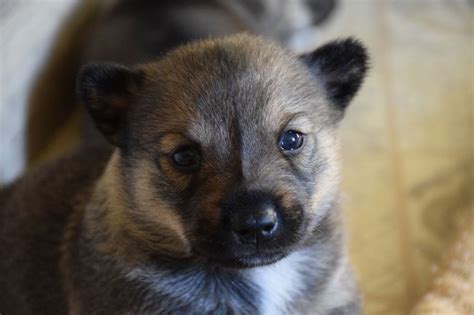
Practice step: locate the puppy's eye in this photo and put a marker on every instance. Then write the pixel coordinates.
(291, 140)
(186, 159)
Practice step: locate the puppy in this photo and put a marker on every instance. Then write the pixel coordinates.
(219, 197)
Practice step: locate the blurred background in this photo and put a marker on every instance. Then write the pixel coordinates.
(408, 138)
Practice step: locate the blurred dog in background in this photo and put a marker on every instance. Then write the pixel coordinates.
(130, 32)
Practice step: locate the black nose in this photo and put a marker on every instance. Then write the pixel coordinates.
(253, 226)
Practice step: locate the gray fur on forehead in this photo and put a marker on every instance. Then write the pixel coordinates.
(243, 73)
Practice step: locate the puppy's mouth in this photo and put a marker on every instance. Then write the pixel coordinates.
(255, 261)
(245, 261)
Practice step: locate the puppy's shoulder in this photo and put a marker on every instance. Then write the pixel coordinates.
(33, 214)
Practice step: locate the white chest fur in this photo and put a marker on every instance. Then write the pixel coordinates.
(281, 283)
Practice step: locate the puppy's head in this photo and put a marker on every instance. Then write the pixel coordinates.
(228, 145)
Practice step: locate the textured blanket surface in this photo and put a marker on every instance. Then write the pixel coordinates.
(452, 290)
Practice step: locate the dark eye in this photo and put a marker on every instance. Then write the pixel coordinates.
(291, 140)
(186, 159)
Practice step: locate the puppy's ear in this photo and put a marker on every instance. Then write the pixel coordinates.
(341, 67)
(107, 90)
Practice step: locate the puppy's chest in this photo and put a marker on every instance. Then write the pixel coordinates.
(269, 290)
(283, 284)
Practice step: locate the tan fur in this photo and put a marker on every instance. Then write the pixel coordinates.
(149, 209)
(328, 185)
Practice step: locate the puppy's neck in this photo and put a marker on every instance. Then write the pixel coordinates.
(269, 290)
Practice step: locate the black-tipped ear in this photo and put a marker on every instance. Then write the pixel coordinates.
(341, 67)
(107, 90)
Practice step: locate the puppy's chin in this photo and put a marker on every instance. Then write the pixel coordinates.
(254, 261)
(245, 261)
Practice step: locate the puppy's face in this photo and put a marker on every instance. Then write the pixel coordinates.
(228, 145)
